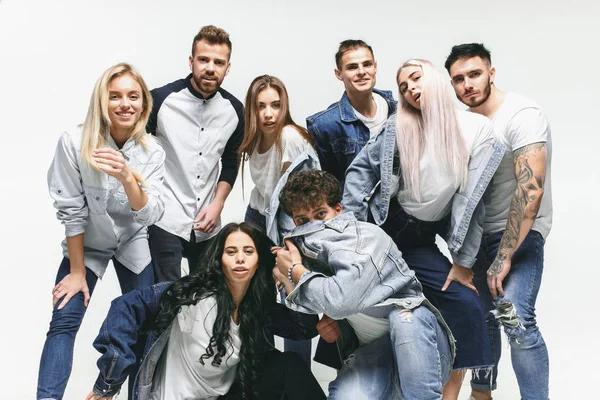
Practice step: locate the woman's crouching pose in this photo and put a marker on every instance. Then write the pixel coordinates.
(207, 330)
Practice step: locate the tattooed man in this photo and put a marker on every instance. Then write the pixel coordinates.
(518, 218)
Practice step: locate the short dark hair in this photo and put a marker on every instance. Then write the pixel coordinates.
(308, 189)
(468, 50)
(347, 45)
(212, 35)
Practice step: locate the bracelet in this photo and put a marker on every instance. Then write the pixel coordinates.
(290, 272)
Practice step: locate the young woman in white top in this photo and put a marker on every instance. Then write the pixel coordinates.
(106, 180)
(436, 175)
(272, 140)
(210, 334)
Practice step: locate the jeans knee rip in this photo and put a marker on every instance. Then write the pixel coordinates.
(506, 313)
(406, 315)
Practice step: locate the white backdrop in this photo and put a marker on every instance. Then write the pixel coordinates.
(51, 53)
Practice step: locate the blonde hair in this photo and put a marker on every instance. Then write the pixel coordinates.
(97, 122)
(436, 121)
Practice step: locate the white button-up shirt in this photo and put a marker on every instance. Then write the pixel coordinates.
(201, 137)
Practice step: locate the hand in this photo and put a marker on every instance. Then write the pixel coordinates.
(462, 275)
(208, 217)
(286, 256)
(69, 287)
(328, 329)
(94, 396)
(282, 281)
(496, 274)
(113, 163)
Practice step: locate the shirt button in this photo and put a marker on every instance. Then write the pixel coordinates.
(200, 153)
(198, 176)
(198, 198)
(201, 129)
(97, 198)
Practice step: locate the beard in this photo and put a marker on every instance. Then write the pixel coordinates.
(475, 102)
(207, 87)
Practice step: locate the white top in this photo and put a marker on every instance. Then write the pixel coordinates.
(265, 168)
(436, 184)
(519, 122)
(368, 328)
(179, 373)
(376, 123)
(200, 137)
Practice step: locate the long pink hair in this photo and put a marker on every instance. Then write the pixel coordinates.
(436, 121)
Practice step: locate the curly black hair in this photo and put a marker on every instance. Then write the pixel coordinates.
(308, 189)
(209, 281)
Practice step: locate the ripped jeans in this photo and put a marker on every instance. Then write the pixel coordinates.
(413, 362)
(516, 313)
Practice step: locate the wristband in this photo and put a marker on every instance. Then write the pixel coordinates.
(290, 273)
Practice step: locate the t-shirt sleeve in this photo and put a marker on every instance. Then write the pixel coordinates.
(528, 126)
(293, 144)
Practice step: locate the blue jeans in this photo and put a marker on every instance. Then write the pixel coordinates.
(521, 286)
(57, 356)
(460, 306)
(412, 363)
(167, 251)
(300, 347)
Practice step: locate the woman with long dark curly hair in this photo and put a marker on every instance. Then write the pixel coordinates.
(207, 329)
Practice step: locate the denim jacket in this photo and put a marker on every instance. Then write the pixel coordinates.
(354, 265)
(368, 190)
(91, 202)
(127, 315)
(340, 135)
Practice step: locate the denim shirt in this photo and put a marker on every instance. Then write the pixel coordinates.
(119, 335)
(368, 191)
(91, 202)
(340, 135)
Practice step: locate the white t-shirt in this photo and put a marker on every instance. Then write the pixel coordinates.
(518, 122)
(265, 168)
(179, 373)
(368, 328)
(436, 184)
(376, 123)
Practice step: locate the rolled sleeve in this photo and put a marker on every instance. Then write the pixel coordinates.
(66, 189)
(340, 295)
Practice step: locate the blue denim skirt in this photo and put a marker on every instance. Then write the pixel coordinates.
(459, 305)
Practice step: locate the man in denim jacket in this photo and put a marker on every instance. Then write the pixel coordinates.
(343, 129)
(345, 268)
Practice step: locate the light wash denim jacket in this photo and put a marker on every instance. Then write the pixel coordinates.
(129, 313)
(91, 202)
(354, 265)
(368, 190)
(340, 135)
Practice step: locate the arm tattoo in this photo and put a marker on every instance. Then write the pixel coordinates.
(526, 193)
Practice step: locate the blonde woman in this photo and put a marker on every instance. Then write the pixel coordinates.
(434, 163)
(105, 180)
